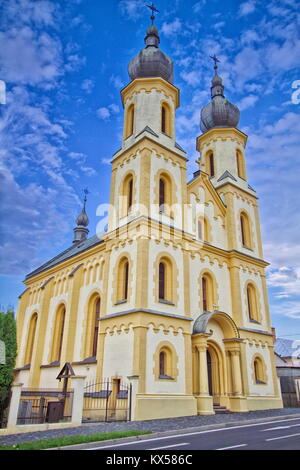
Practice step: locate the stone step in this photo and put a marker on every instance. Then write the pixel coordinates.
(220, 409)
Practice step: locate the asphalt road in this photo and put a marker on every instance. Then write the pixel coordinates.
(282, 434)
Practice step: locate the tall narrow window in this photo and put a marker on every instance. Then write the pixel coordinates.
(58, 335)
(162, 194)
(200, 229)
(259, 371)
(31, 338)
(130, 194)
(122, 289)
(211, 165)
(162, 281)
(96, 327)
(204, 293)
(61, 334)
(166, 119)
(163, 119)
(203, 229)
(126, 279)
(252, 303)
(249, 300)
(162, 363)
(239, 164)
(208, 293)
(245, 230)
(129, 121)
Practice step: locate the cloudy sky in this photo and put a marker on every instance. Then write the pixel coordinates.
(64, 64)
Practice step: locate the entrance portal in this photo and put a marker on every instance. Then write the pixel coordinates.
(214, 374)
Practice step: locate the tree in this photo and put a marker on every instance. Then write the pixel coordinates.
(9, 336)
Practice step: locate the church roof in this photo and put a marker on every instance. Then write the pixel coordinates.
(284, 347)
(68, 253)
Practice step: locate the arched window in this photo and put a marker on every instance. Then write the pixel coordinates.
(202, 229)
(165, 280)
(162, 197)
(163, 119)
(210, 164)
(166, 119)
(127, 193)
(240, 164)
(130, 194)
(130, 121)
(92, 327)
(162, 363)
(123, 280)
(165, 194)
(207, 293)
(245, 230)
(96, 328)
(162, 281)
(259, 371)
(58, 334)
(252, 303)
(165, 362)
(30, 338)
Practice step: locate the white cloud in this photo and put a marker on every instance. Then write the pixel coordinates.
(114, 108)
(132, 9)
(88, 85)
(247, 102)
(29, 57)
(191, 78)
(116, 81)
(106, 161)
(170, 29)
(198, 7)
(247, 7)
(103, 113)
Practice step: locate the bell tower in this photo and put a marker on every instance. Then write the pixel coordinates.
(222, 156)
(149, 144)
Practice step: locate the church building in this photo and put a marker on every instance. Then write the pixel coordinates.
(174, 292)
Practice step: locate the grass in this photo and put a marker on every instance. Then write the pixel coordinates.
(71, 440)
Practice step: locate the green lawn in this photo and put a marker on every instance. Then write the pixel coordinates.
(71, 440)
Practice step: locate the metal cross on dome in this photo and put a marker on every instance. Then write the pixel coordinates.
(86, 192)
(153, 9)
(215, 59)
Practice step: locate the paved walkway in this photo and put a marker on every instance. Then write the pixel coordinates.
(157, 425)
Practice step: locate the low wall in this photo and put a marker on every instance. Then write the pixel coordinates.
(35, 427)
(164, 406)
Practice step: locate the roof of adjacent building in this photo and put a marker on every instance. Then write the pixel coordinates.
(285, 347)
(68, 253)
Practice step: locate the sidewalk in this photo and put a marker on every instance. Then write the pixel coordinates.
(158, 425)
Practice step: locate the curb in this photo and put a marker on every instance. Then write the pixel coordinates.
(176, 431)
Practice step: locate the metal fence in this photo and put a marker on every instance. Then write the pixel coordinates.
(108, 400)
(38, 406)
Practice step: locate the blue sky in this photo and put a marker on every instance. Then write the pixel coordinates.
(64, 64)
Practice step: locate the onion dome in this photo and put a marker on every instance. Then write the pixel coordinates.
(151, 61)
(81, 231)
(82, 219)
(219, 112)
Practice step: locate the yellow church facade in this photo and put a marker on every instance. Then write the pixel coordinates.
(173, 294)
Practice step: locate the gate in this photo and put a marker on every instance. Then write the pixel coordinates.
(107, 401)
(38, 406)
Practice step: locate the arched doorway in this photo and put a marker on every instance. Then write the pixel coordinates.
(215, 372)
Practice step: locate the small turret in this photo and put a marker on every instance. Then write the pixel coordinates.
(82, 221)
(219, 112)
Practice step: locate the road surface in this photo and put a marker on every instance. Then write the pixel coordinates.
(281, 434)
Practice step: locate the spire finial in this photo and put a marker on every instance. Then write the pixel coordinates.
(86, 192)
(216, 60)
(153, 9)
